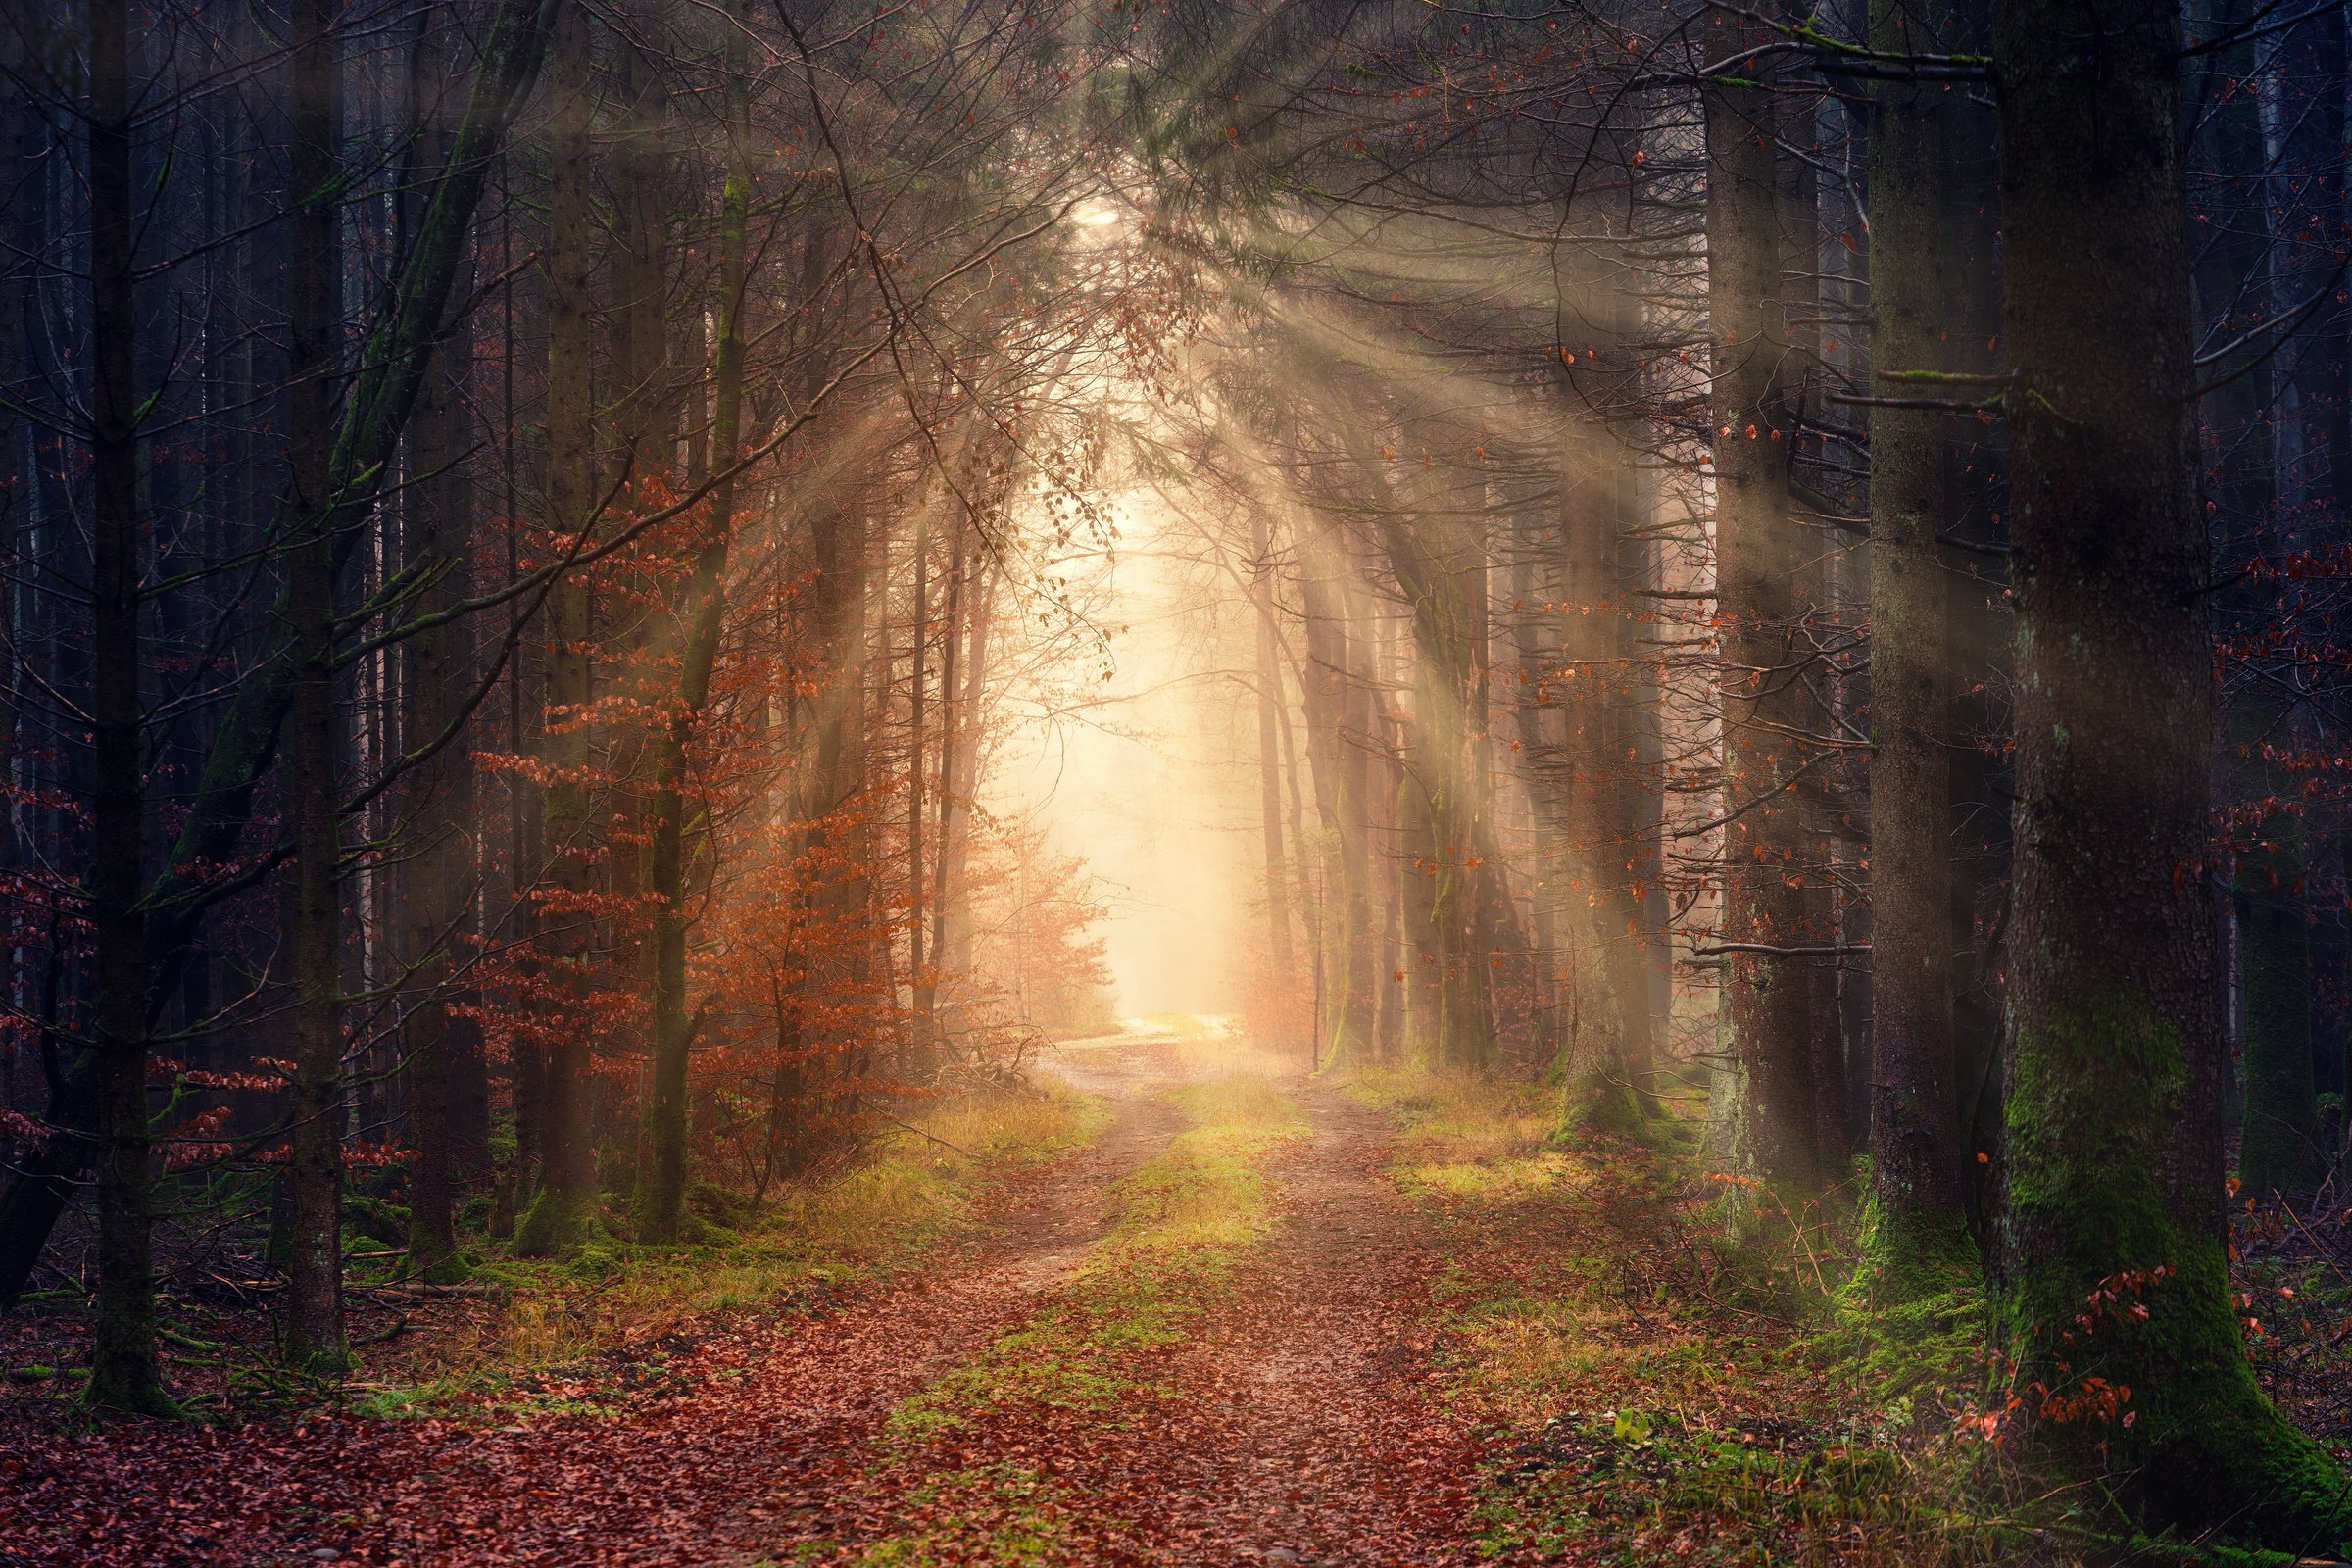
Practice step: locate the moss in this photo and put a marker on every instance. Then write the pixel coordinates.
(1606, 1103)
(2117, 1313)
(1184, 1220)
(553, 1228)
(721, 1205)
(473, 1215)
(1001, 1513)
(454, 1269)
(2143, 1550)
(376, 1219)
(1910, 1316)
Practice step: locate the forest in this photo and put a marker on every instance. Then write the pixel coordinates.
(1164, 782)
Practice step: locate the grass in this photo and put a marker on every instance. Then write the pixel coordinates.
(916, 1186)
(1471, 1139)
(1605, 1314)
(1181, 1223)
(998, 1514)
(1002, 1514)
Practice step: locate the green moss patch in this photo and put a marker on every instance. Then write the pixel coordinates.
(1183, 1220)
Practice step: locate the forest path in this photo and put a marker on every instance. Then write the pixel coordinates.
(1287, 1424)
(1292, 1422)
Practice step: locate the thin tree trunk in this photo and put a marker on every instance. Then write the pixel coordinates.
(568, 1159)
(951, 947)
(1280, 958)
(706, 612)
(124, 1374)
(1359, 727)
(2279, 1148)
(918, 660)
(926, 992)
(435, 678)
(1635, 801)
(314, 1335)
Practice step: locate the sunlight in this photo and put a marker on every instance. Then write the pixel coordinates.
(1027, 784)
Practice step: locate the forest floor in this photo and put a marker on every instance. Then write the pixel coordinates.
(1254, 1319)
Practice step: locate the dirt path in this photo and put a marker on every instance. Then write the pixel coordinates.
(1297, 1426)
(1312, 1437)
(1297, 1431)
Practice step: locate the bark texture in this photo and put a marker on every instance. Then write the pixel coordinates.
(2115, 1066)
(1764, 580)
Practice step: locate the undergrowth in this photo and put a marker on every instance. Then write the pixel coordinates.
(916, 1186)
(1661, 1355)
(1686, 1365)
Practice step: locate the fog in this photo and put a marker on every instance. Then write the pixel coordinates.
(1146, 774)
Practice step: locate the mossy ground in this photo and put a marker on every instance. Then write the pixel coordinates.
(1182, 1221)
(917, 1185)
(578, 1332)
(1652, 1347)
(1000, 1514)
(1688, 1365)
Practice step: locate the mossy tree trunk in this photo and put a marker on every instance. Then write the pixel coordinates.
(2115, 1057)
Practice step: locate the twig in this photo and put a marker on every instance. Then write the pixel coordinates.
(934, 1137)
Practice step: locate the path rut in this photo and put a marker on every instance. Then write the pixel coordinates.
(1305, 1431)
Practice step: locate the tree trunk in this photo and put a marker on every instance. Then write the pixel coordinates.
(124, 1374)
(2115, 1067)
(1914, 1138)
(705, 609)
(315, 1335)
(436, 674)
(951, 946)
(1329, 705)
(2279, 1150)
(1281, 961)
(1762, 588)
(567, 1156)
(1637, 803)
(2313, 168)
(1594, 790)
